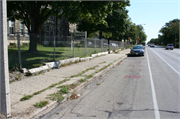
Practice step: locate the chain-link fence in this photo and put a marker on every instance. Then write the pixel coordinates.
(53, 48)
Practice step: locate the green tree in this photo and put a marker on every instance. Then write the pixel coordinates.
(154, 41)
(169, 32)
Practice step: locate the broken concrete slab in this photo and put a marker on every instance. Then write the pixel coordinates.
(55, 64)
(38, 70)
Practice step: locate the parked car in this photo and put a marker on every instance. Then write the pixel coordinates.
(89, 43)
(170, 46)
(105, 44)
(137, 50)
(114, 44)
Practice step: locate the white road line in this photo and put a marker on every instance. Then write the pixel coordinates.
(156, 109)
(166, 62)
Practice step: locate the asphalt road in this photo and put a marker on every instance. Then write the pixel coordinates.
(138, 88)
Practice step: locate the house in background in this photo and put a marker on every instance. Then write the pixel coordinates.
(52, 27)
(14, 27)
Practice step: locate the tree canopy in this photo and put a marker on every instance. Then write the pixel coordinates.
(114, 25)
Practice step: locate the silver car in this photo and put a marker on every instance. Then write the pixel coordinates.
(137, 50)
(170, 46)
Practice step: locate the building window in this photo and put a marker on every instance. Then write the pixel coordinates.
(27, 33)
(11, 27)
(21, 28)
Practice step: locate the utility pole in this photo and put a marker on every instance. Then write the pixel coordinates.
(179, 35)
(5, 108)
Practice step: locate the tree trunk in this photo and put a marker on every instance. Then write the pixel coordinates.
(33, 43)
(33, 36)
(108, 46)
(100, 34)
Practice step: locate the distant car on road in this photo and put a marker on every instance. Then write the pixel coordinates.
(152, 45)
(149, 45)
(170, 46)
(137, 50)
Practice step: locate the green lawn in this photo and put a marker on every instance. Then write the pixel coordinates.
(46, 54)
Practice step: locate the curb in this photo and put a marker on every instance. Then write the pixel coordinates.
(57, 64)
(46, 109)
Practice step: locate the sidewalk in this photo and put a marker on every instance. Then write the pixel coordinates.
(26, 109)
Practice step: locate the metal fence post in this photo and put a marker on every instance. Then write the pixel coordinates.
(73, 44)
(86, 42)
(71, 41)
(109, 46)
(54, 48)
(101, 45)
(19, 51)
(5, 108)
(94, 45)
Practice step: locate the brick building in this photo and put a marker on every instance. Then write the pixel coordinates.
(52, 27)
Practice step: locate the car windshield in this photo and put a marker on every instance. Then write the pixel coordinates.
(170, 45)
(137, 47)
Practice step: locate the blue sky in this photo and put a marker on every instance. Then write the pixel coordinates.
(154, 14)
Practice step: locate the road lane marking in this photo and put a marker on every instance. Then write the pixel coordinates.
(166, 62)
(156, 109)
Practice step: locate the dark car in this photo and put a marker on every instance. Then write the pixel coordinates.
(137, 50)
(170, 46)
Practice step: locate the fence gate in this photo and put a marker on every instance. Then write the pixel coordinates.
(79, 39)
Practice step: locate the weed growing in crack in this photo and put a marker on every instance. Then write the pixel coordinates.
(53, 85)
(27, 97)
(82, 80)
(102, 62)
(64, 90)
(66, 80)
(56, 97)
(74, 85)
(89, 76)
(41, 104)
(59, 95)
(36, 93)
